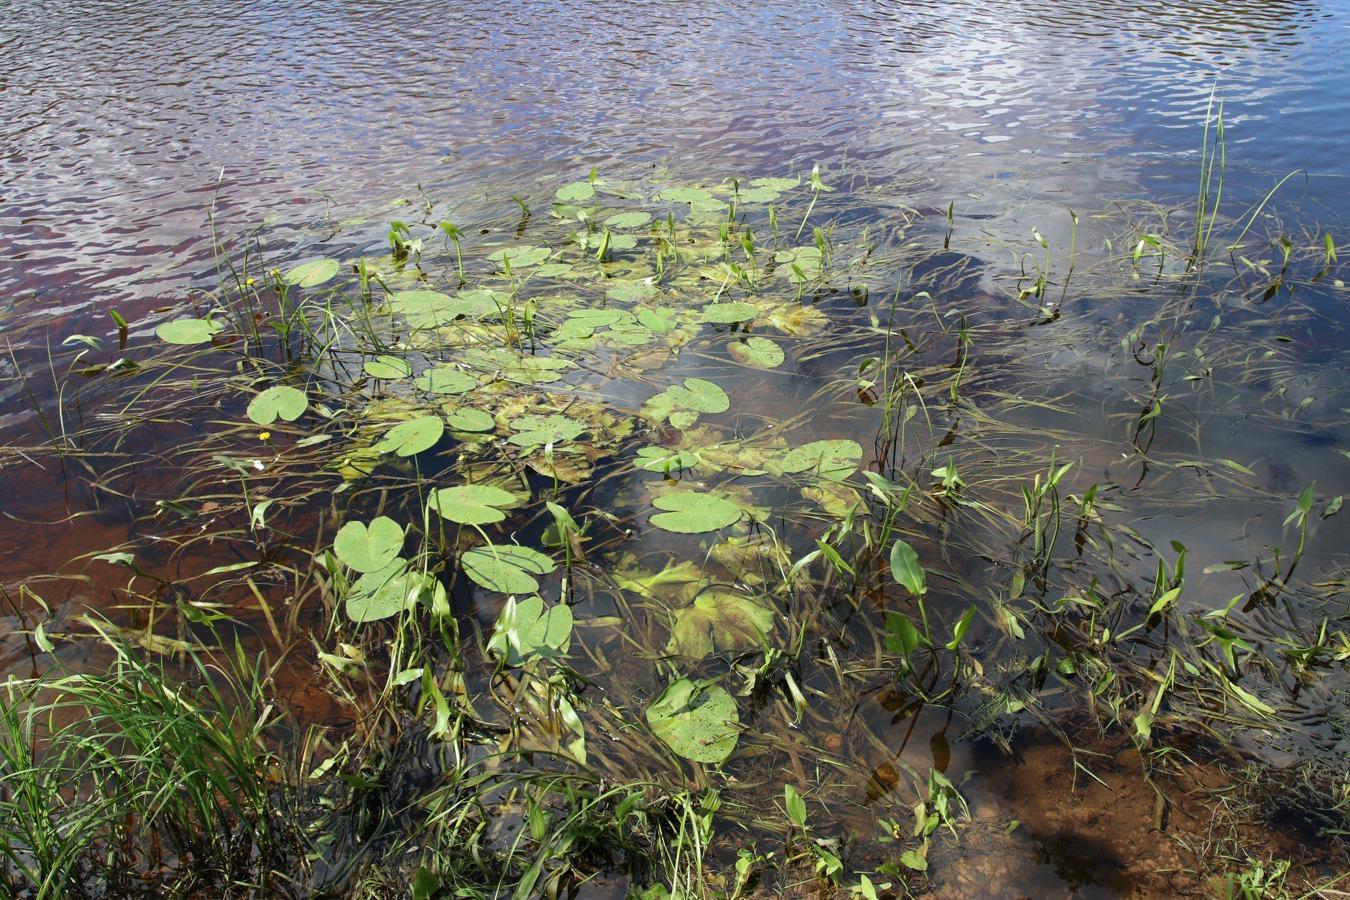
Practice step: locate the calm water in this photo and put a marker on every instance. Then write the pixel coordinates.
(125, 123)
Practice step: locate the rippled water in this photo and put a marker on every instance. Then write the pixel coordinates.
(124, 121)
(125, 124)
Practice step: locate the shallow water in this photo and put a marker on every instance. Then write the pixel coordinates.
(126, 124)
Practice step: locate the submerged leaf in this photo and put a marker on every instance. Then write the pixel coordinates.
(698, 722)
(719, 619)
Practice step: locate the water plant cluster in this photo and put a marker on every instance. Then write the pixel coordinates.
(658, 535)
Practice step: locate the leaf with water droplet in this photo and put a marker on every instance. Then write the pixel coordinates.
(281, 401)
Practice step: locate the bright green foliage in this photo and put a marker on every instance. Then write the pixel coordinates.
(727, 313)
(758, 351)
(412, 437)
(696, 721)
(369, 548)
(507, 568)
(445, 381)
(388, 367)
(279, 402)
(311, 274)
(526, 631)
(690, 513)
(906, 570)
(472, 504)
(189, 331)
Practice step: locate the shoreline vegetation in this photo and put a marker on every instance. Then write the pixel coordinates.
(675, 539)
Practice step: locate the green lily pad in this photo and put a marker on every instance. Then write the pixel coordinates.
(527, 631)
(279, 402)
(433, 309)
(520, 257)
(412, 437)
(836, 459)
(472, 420)
(507, 568)
(388, 367)
(658, 319)
(719, 619)
(369, 549)
(312, 273)
(628, 220)
(553, 270)
(691, 513)
(536, 431)
(388, 592)
(189, 331)
(694, 397)
(472, 504)
(577, 190)
(727, 313)
(758, 195)
(698, 722)
(758, 351)
(776, 184)
(445, 381)
(633, 292)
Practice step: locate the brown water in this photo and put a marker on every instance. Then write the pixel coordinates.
(128, 128)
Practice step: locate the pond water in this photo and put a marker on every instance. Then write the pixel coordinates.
(1011, 139)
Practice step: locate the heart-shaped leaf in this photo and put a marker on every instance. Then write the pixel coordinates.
(628, 220)
(412, 437)
(691, 513)
(388, 367)
(577, 190)
(835, 459)
(698, 722)
(189, 331)
(758, 351)
(719, 619)
(312, 273)
(369, 549)
(526, 631)
(279, 402)
(445, 381)
(472, 504)
(906, 570)
(536, 431)
(472, 420)
(507, 568)
(727, 313)
(387, 592)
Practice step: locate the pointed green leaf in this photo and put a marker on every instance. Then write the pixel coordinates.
(906, 570)
(526, 631)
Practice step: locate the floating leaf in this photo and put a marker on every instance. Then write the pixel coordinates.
(776, 184)
(412, 437)
(507, 568)
(388, 367)
(369, 549)
(520, 257)
(719, 619)
(281, 401)
(836, 459)
(633, 292)
(663, 459)
(536, 431)
(445, 381)
(658, 319)
(698, 722)
(472, 504)
(313, 273)
(690, 513)
(432, 309)
(189, 331)
(577, 190)
(727, 313)
(526, 631)
(628, 220)
(388, 592)
(695, 396)
(905, 568)
(684, 195)
(473, 420)
(758, 351)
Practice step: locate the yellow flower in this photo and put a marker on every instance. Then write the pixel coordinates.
(264, 435)
(248, 281)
